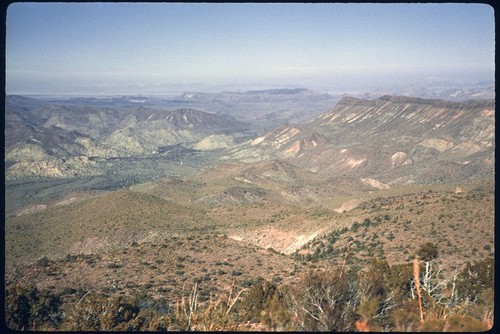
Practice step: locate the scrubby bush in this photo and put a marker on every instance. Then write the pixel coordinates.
(454, 323)
(428, 251)
(43, 262)
(377, 297)
(28, 308)
(275, 315)
(324, 301)
(475, 278)
(99, 313)
(253, 301)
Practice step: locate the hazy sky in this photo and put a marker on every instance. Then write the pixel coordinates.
(118, 48)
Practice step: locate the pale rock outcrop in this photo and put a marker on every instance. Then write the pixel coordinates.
(399, 159)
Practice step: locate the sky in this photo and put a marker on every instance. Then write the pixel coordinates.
(141, 48)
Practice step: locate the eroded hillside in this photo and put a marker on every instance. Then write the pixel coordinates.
(395, 139)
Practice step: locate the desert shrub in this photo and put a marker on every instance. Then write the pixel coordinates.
(366, 223)
(27, 308)
(399, 279)
(432, 325)
(263, 302)
(428, 251)
(475, 279)
(147, 303)
(383, 279)
(369, 311)
(381, 290)
(236, 272)
(43, 262)
(114, 265)
(372, 282)
(253, 301)
(463, 323)
(99, 313)
(215, 315)
(324, 301)
(150, 321)
(406, 317)
(275, 314)
(454, 323)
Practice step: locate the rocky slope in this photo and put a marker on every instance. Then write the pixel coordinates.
(52, 140)
(398, 139)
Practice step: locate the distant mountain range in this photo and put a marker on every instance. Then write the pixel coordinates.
(269, 95)
(47, 140)
(439, 89)
(398, 138)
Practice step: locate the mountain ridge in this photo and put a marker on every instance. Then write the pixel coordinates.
(373, 136)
